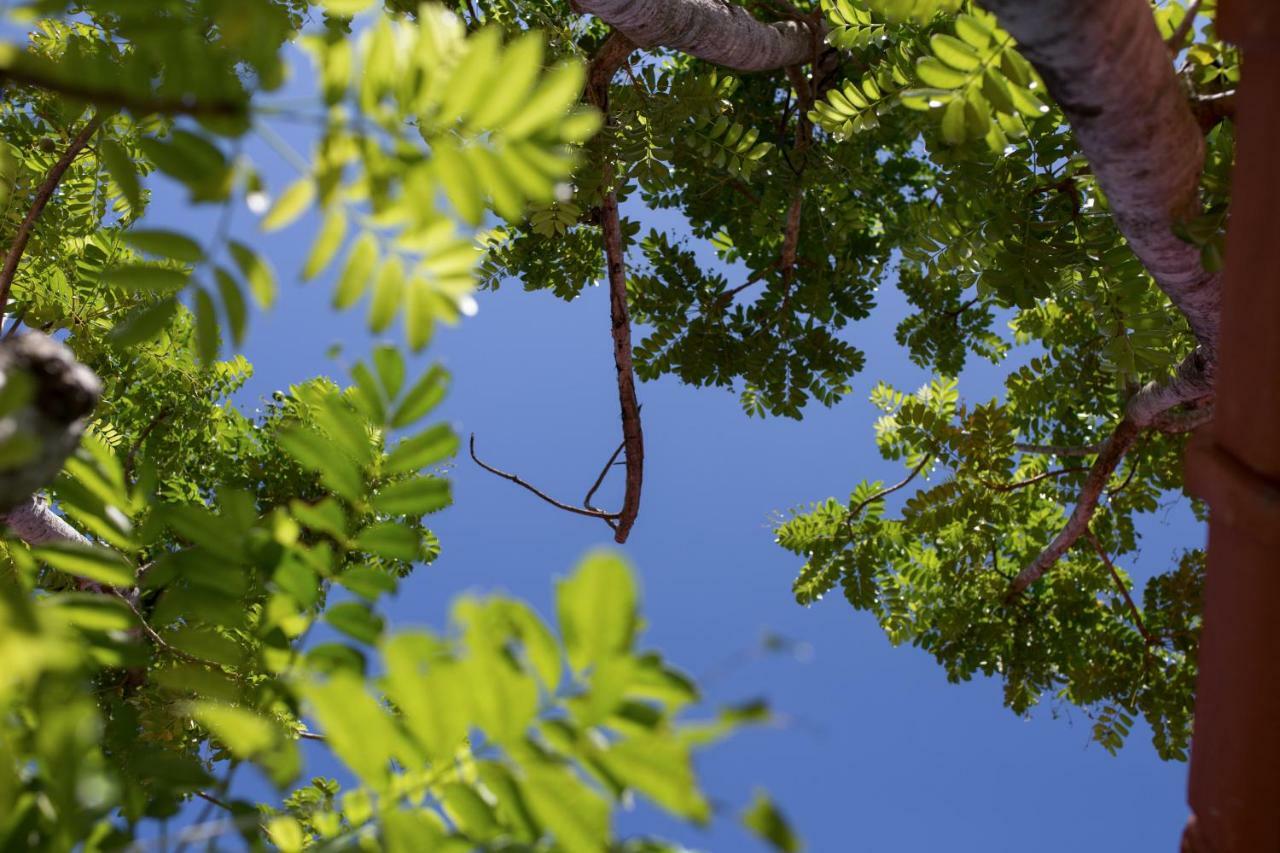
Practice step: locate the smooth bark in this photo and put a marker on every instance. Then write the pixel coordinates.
(714, 30)
(1105, 64)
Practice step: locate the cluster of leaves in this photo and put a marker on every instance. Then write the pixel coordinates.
(227, 601)
(936, 576)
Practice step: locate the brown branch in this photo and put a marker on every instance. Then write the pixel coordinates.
(1133, 608)
(48, 80)
(604, 472)
(1109, 457)
(1178, 38)
(590, 513)
(43, 193)
(884, 493)
(1031, 481)
(212, 800)
(632, 434)
(611, 56)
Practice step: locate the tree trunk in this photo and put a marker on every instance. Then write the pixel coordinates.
(1105, 64)
(715, 30)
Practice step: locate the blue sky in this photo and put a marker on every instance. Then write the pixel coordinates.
(873, 750)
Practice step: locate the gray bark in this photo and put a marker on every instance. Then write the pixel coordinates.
(36, 524)
(1105, 64)
(717, 31)
(60, 393)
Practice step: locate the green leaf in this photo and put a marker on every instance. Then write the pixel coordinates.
(145, 278)
(763, 818)
(414, 497)
(291, 204)
(206, 327)
(596, 606)
(390, 365)
(424, 396)
(256, 271)
(933, 73)
(953, 122)
(318, 454)
(576, 816)
(387, 291)
(327, 244)
(168, 244)
(123, 171)
(355, 274)
(954, 52)
(94, 563)
(389, 540)
(232, 303)
(355, 620)
(249, 737)
(428, 689)
(144, 324)
(659, 767)
(434, 445)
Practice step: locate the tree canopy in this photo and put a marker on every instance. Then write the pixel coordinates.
(167, 556)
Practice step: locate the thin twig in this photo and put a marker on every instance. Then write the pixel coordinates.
(164, 645)
(604, 472)
(1133, 608)
(309, 735)
(590, 513)
(883, 493)
(45, 192)
(212, 800)
(1031, 481)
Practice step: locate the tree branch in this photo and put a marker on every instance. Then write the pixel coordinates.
(43, 193)
(1031, 481)
(1133, 608)
(1109, 457)
(717, 31)
(632, 433)
(1105, 64)
(590, 513)
(884, 493)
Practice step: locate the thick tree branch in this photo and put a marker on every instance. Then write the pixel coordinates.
(55, 395)
(1105, 64)
(717, 31)
(35, 523)
(632, 434)
(1109, 457)
(610, 56)
(43, 193)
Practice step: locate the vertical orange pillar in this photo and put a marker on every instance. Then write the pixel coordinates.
(1234, 464)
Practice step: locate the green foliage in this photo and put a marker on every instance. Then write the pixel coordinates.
(154, 661)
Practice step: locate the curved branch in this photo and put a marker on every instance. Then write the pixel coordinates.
(1031, 481)
(885, 492)
(590, 513)
(717, 31)
(1109, 457)
(1105, 64)
(1124, 590)
(43, 193)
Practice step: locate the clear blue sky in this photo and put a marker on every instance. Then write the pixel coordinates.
(874, 749)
